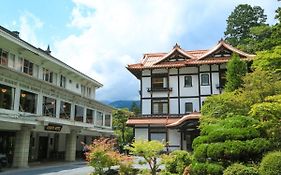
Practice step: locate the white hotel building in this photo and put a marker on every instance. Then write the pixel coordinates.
(46, 107)
(173, 87)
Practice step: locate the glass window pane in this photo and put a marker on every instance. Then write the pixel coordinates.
(89, 118)
(49, 107)
(99, 118)
(65, 110)
(28, 102)
(188, 81)
(107, 121)
(7, 95)
(188, 107)
(204, 79)
(158, 136)
(79, 112)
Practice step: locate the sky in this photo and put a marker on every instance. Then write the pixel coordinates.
(101, 37)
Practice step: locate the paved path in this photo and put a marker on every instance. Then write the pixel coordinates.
(74, 168)
(62, 168)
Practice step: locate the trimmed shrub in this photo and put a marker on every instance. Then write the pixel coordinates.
(200, 153)
(176, 161)
(206, 168)
(216, 151)
(239, 169)
(271, 164)
(199, 140)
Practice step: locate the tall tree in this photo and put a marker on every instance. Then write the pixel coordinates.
(241, 20)
(124, 133)
(236, 69)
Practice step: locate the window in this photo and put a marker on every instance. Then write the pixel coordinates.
(160, 106)
(49, 107)
(159, 82)
(27, 67)
(77, 85)
(3, 57)
(28, 102)
(205, 79)
(89, 117)
(99, 118)
(65, 110)
(188, 107)
(62, 81)
(188, 81)
(79, 113)
(158, 134)
(12, 60)
(47, 75)
(83, 90)
(107, 120)
(7, 95)
(89, 90)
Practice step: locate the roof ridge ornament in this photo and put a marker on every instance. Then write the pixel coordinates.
(48, 50)
(177, 46)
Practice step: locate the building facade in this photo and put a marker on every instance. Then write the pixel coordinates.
(46, 107)
(173, 87)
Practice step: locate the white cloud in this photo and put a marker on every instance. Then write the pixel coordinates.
(116, 33)
(29, 24)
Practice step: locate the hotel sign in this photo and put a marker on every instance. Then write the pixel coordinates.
(53, 127)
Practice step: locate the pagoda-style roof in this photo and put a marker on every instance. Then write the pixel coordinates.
(179, 57)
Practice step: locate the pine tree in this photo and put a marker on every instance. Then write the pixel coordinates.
(236, 69)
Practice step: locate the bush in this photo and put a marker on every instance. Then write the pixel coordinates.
(238, 169)
(206, 168)
(215, 151)
(176, 161)
(271, 164)
(200, 153)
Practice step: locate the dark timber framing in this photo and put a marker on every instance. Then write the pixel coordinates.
(199, 87)
(179, 101)
(211, 81)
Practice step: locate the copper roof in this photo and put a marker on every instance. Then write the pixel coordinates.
(168, 121)
(193, 57)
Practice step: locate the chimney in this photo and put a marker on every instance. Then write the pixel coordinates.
(48, 51)
(16, 34)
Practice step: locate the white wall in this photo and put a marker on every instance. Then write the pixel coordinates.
(189, 91)
(173, 83)
(187, 70)
(194, 101)
(174, 137)
(174, 106)
(141, 134)
(146, 83)
(215, 82)
(146, 106)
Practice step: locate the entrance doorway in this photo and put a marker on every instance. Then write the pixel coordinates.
(7, 144)
(43, 148)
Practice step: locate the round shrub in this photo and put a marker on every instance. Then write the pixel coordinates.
(176, 161)
(271, 164)
(199, 140)
(238, 169)
(206, 168)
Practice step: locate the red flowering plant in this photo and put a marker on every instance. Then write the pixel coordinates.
(102, 155)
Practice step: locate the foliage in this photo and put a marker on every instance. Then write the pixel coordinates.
(236, 69)
(241, 20)
(271, 164)
(149, 150)
(177, 161)
(135, 109)
(102, 155)
(239, 169)
(269, 60)
(206, 168)
(124, 133)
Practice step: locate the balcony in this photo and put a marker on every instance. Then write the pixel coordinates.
(157, 89)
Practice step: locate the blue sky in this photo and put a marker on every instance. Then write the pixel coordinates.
(100, 38)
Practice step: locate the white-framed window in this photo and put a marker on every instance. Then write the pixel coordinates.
(99, 119)
(188, 81)
(65, 110)
(79, 113)
(28, 102)
(7, 96)
(107, 120)
(47, 75)
(62, 81)
(89, 116)
(160, 106)
(3, 57)
(89, 91)
(49, 107)
(188, 107)
(12, 60)
(83, 90)
(205, 81)
(27, 66)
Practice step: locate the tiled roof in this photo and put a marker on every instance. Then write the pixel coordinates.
(193, 57)
(169, 121)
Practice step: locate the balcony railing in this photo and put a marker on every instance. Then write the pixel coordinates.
(159, 89)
